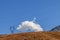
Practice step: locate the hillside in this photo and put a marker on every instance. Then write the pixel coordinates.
(56, 29)
(32, 36)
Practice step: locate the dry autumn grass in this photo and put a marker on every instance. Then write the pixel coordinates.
(32, 36)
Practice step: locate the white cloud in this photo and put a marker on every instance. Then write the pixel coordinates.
(29, 25)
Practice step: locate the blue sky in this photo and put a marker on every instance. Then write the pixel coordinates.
(13, 12)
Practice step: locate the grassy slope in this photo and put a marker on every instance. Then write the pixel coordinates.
(32, 36)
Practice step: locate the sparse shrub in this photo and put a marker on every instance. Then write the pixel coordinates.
(12, 29)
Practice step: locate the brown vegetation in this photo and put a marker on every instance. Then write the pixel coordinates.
(32, 36)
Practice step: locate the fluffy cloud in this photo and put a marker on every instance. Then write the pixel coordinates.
(29, 25)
